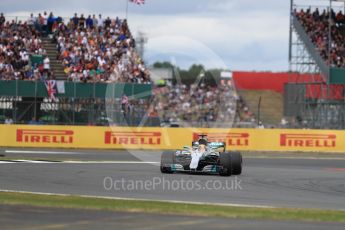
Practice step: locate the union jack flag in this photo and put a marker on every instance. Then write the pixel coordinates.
(138, 2)
(51, 89)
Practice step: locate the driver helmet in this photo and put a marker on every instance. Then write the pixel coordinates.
(202, 142)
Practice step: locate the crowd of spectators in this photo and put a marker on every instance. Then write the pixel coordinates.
(91, 49)
(200, 103)
(94, 49)
(18, 41)
(99, 50)
(316, 24)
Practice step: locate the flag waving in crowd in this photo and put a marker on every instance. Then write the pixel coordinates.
(51, 89)
(138, 2)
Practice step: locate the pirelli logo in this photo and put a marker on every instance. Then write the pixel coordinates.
(231, 139)
(308, 140)
(45, 136)
(132, 138)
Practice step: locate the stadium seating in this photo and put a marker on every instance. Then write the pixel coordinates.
(316, 25)
(22, 53)
(96, 50)
(102, 53)
(90, 51)
(200, 105)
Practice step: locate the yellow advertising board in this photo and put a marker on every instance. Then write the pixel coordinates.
(170, 138)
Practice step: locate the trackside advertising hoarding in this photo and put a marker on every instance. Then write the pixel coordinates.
(170, 138)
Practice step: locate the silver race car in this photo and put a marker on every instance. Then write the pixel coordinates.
(202, 157)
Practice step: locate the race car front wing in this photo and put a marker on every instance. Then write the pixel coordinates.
(205, 169)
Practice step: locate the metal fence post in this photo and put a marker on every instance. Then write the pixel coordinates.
(35, 101)
(73, 99)
(15, 104)
(259, 111)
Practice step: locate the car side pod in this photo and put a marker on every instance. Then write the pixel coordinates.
(230, 163)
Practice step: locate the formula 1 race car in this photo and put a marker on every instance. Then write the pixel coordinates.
(202, 157)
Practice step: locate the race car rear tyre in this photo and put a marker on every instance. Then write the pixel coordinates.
(236, 163)
(167, 158)
(225, 164)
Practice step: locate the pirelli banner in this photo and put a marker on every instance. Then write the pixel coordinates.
(170, 138)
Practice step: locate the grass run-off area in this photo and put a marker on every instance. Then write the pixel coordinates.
(76, 202)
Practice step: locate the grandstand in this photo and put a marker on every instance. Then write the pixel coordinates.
(317, 47)
(103, 50)
(97, 62)
(201, 105)
(94, 59)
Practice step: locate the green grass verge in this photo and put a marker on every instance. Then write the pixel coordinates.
(55, 201)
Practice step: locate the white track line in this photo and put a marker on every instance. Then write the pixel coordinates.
(135, 199)
(41, 152)
(109, 162)
(76, 162)
(26, 161)
(292, 158)
(248, 157)
(33, 161)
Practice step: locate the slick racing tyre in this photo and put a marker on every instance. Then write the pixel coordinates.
(236, 163)
(225, 164)
(167, 158)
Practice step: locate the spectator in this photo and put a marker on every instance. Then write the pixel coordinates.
(100, 20)
(260, 125)
(94, 20)
(75, 21)
(316, 14)
(55, 27)
(81, 22)
(2, 19)
(284, 123)
(51, 19)
(40, 22)
(31, 20)
(107, 23)
(8, 121)
(46, 64)
(124, 104)
(33, 121)
(45, 22)
(89, 22)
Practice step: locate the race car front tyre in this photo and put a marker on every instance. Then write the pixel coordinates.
(167, 158)
(225, 164)
(236, 163)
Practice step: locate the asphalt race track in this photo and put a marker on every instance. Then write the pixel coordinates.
(300, 183)
(304, 183)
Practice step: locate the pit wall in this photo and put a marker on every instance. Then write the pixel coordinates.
(169, 138)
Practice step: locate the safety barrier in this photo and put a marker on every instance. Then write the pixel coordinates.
(37, 89)
(169, 138)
